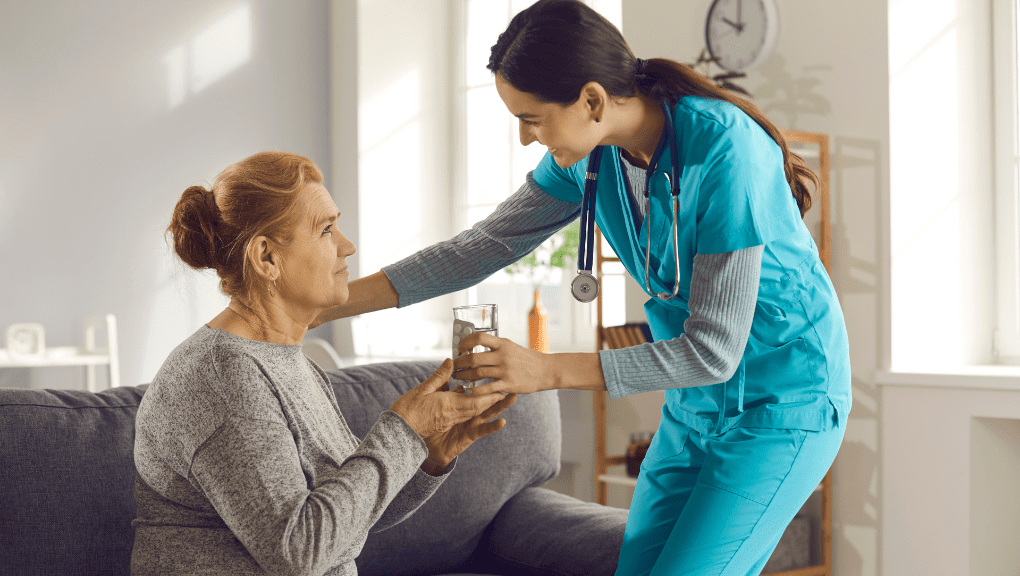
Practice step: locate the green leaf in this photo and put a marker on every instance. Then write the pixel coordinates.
(564, 252)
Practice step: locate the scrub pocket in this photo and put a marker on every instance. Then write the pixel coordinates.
(751, 462)
(669, 441)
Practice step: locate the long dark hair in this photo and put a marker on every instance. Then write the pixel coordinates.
(553, 48)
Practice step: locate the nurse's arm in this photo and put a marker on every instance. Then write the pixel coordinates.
(577, 371)
(518, 226)
(724, 291)
(368, 294)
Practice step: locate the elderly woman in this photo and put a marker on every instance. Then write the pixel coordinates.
(245, 464)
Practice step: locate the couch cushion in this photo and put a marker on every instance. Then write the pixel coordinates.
(67, 480)
(526, 452)
(542, 532)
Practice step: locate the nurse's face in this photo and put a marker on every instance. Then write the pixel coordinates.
(569, 132)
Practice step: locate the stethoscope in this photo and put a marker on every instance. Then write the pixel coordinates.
(585, 286)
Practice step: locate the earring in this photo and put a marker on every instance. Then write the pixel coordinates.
(271, 292)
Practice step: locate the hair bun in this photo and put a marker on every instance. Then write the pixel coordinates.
(193, 227)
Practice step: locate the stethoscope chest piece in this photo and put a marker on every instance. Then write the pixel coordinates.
(585, 287)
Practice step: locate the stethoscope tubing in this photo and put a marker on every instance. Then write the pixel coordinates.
(585, 287)
(586, 253)
(669, 131)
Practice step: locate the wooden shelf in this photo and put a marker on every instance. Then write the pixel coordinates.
(618, 480)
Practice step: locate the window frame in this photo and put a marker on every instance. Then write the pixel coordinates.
(1006, 119)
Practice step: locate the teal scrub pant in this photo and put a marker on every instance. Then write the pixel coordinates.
(717, 504)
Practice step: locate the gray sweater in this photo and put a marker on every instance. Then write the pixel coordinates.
(246, 466)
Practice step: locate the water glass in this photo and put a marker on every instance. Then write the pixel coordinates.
(470, 319)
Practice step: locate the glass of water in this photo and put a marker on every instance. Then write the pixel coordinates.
(468, 320)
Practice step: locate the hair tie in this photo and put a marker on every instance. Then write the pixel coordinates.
(640, 74)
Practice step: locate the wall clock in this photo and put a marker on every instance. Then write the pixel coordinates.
(26, 340)
(741, 33)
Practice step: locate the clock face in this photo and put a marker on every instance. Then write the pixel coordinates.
(741, 33)
(25, 340)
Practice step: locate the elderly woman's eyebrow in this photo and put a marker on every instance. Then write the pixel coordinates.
(329, 217)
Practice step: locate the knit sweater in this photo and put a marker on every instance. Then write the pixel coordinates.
(246, 466)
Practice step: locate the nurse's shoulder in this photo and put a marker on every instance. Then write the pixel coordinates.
(717, 114)
(707, 122)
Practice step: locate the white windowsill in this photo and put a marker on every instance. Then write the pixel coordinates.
(962, 377)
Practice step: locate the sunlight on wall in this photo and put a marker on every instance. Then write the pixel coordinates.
(390, 149)
(210, 54)
(389, 109)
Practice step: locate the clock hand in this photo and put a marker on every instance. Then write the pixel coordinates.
(740, 19)
(739, 27)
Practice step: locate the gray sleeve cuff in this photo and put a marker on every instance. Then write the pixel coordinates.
(724, 290)
(418, 489)
(399, 421)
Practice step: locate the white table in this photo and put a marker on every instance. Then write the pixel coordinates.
(88, 355)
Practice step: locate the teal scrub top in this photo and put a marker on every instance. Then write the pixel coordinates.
(795, 371)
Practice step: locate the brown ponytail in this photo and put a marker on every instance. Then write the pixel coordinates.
(554, 47)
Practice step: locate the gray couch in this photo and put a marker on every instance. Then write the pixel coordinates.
(67, 488)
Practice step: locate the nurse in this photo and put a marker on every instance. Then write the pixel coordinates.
(752, 352)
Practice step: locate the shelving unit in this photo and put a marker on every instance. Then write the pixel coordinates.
(90, 356)
(814, 148)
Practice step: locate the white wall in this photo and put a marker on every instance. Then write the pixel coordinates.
(102, 130)
(950, 463)
(403, 153)
(829, 73)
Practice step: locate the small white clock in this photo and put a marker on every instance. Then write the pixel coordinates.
(26, 340)
(741, 33)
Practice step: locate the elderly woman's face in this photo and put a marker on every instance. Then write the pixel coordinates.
(315, 263)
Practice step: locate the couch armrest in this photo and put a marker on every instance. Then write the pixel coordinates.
(443, 535)
(541, 532)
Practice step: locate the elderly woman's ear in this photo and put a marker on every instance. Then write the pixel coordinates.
(265, 259)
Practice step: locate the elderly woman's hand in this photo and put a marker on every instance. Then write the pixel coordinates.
(431, 409)
(445, 446)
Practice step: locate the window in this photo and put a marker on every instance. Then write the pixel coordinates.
(1007, 177)
(493, 165)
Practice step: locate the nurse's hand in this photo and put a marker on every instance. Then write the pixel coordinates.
(515, 369)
